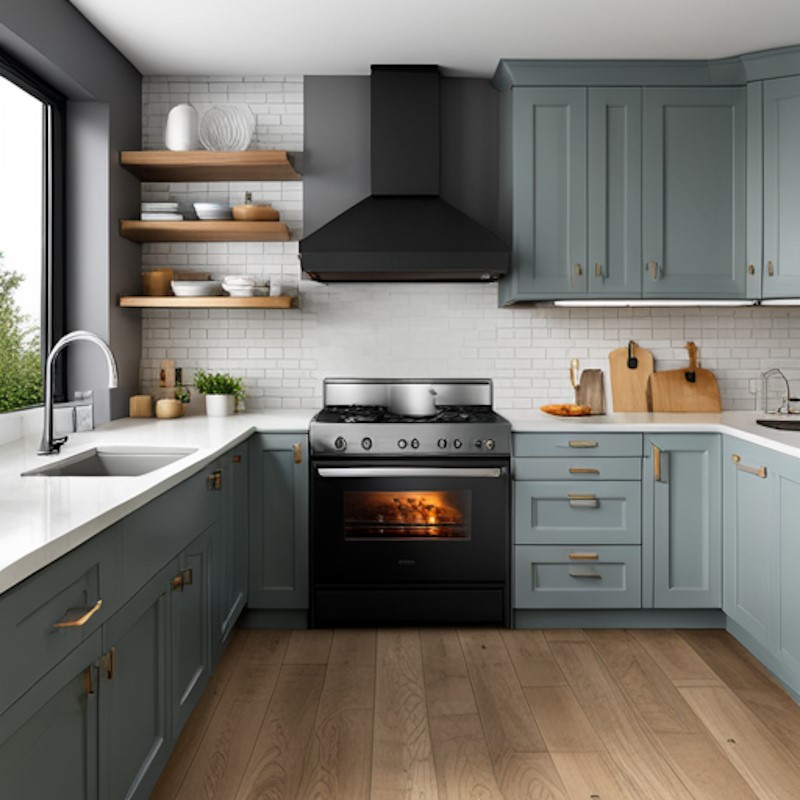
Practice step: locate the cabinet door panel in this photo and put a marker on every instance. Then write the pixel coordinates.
(48, 738)
(615, 194)
(781, 187)
(687, 522)
(693, 198)
(787, 625)
(549, 196)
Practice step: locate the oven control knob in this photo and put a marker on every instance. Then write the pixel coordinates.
(366, 443)
(457, 443)
(402, 444)
(442, 444)
(478, 444)
(489, 444)
(340, 443)
(415, 443)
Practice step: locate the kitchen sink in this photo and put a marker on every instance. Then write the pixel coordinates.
(781, 424)
(113, 462)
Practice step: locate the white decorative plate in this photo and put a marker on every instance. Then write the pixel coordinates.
(228, 127)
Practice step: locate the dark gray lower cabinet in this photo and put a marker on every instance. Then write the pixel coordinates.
(279, 521)
(48, 738)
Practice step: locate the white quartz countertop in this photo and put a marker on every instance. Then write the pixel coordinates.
(43, 518)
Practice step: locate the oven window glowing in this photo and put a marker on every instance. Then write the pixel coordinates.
(407, 515)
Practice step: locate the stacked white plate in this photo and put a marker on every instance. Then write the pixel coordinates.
(196, 288)
(245, 286)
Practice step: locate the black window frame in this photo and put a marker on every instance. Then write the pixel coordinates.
(53, 301)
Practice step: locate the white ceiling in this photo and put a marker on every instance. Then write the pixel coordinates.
(466, 37)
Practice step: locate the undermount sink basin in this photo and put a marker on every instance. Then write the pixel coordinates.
(781, 424)
(113, 462)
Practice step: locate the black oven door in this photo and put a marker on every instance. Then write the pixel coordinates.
(397, 522)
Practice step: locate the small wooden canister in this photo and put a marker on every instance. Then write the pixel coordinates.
(140, 405)
(156, 282)
(169, 408)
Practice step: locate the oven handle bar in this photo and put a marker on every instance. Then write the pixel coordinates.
(410, 472)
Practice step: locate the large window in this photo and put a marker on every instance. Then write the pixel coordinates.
(31, 291)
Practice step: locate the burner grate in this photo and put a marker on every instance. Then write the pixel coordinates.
(380, 414)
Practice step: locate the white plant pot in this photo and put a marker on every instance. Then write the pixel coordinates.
(181, 132)
(220, 405)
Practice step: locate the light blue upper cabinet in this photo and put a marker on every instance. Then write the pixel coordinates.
(781, 108)
(693, 198)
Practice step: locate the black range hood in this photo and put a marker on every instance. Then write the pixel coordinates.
(404, 231)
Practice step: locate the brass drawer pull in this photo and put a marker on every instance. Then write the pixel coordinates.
(583, 572)
(184, 578)
(583, 500)
(598, 271)
(760, 472)
(297, 449)
(110, 663)
(236, 459)
(584, 471)
(584, 556)
(214, 480)
(751, 269)
(654, 270)
(78, 617)
(579, 443)
(578, 270)
(771, 269)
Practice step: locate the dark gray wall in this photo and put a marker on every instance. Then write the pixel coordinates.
(337, 150)
(103, 118)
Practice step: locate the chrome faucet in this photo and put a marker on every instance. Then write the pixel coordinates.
(765, 377)
(49, 445)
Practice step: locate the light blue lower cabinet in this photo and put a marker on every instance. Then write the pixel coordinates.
(49, 737)
(577, 577)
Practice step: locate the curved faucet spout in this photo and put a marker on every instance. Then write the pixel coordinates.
(50, 445)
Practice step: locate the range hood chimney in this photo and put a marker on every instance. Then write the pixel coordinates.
(404, 231)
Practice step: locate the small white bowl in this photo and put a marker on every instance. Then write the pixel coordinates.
(209, 211)
(196, 288)
(238, 291)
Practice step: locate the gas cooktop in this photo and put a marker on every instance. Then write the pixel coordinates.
(379, 414)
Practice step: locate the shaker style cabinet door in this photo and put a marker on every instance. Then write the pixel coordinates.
(781, 272)
(684, 508)
(615, 192)
(694, 193)
(547, 173)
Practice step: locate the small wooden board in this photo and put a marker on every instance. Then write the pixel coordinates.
(629, 385)
(673, 391)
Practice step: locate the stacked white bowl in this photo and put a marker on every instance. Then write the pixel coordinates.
(245, 286)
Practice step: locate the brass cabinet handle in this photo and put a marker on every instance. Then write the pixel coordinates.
(297, 449)
(583, 500)
(583, 572)
(584, 556)
(584, 471)
(78, 617)
(110, 663)
(578, 443)
(177, 583)
(654, 270)
(214, 480)
(184, 578)
(236, 459)
(751, 269)
(578, 270)
(660, 465)
(760, 472)
(598, 271)
(771, 269)
(87, 681)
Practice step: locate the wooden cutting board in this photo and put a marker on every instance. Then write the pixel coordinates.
(690, 389)
(589, 392)
(630, 369)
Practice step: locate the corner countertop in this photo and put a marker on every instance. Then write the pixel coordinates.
(42, 519)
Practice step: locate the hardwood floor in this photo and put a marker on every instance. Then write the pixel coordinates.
(479, 713)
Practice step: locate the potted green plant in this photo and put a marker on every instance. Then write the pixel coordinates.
(221, 391)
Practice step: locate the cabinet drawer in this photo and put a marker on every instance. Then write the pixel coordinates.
(573, 577)
(576, 444)
(579, 512)
(48, 615)
(574, 469)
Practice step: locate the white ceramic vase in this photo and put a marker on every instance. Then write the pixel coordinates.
(220, 405)
(181, 132)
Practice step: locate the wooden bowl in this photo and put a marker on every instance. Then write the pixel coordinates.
(255, 211)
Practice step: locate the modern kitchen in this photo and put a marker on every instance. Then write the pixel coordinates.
(411, 403)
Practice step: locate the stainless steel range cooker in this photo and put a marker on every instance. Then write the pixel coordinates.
(410, 515)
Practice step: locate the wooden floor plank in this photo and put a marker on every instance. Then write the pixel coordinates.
(592, 775)
(564, 635)
(676, 658)
(340, 754)
(461, 757)
(228, 742)
(309, 647)
(402, 759)
(561, 720)
(763, 761)
(532, 658)
(630, 745)
(279, 757)
(183, 756)
(740, 671)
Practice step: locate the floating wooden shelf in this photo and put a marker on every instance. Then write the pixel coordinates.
(208, 302)
(203, 231)
(170, 166)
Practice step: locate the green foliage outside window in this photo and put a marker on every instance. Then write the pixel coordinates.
(20, 357)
